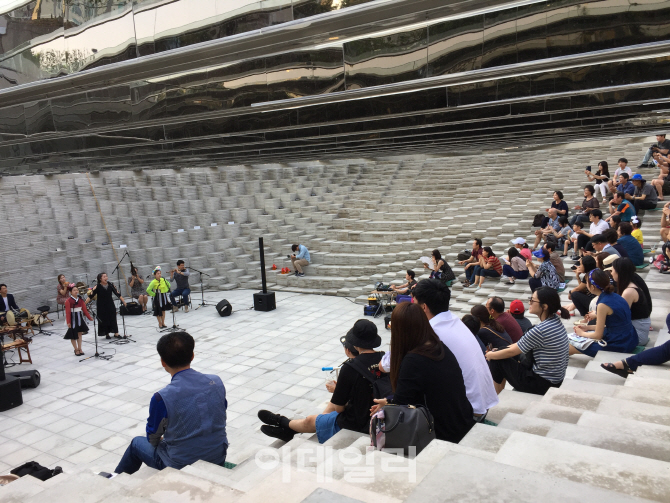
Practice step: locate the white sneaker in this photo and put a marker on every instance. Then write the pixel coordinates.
(504, 277)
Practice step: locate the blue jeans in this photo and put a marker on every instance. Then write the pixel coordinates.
(647, 156)
(489, 273)
(139, 451)
(511, 273)
(475, 269)
(326, 426)
(185, 292)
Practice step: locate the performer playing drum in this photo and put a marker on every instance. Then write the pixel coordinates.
(106, 310)
(75, 310)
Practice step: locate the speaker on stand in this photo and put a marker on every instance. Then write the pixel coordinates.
(264, 301)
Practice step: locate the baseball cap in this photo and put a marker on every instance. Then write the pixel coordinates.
(638, 176)
(516, 307)
(609, 261)
(541, 253)
(518, 241)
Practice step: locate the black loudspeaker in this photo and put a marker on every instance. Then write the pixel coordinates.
(29, 378)
(10, 393)
(224, 308)
(130, 309)
(264, 301)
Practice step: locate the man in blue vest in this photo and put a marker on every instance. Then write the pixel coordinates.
(187, 418)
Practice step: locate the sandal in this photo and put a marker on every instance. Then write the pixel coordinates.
(117, 336)
(625, 372)
(465, 283)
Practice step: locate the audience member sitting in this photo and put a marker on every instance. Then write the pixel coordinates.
(521, 245)
(433, 297)
(612, 238)
(406, 288)
(623, 272)
(438, 265)
(559, 204)
(625, 185)
(548, 342)
(637, 231)
(563, 241)
(472, 262)
(629, 244)
(424, 371)
(657, 355)
(621, 207)
(576, 228)
(600, 259)
(645, 196)
(348, 407)
(496, 308)
(601, 245)
(551, 226)
(665, 223)
(613, 323)
(580, 295)
(589, 203)
(545, 275)
(517, 309)
(473, 325)
(615, 221)
(598, 225)
(555, 259)
(489, 266)
(662, 146)
(517, 266)
(662, 182)
(600, 178)
(616, 180)
(491, 333)
(177, 437)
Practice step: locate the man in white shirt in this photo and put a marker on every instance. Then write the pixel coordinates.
(433, 297)
(598, 226)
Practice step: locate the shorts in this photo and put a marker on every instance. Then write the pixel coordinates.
(326, 426)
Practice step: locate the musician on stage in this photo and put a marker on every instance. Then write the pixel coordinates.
(75, 310)
(180, 275)
(158, 290)
(106, 310)
(136, 284)
(7, 303)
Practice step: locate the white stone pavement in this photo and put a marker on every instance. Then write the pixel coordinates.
(87, 412)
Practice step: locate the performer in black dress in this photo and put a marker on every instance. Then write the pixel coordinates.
(75, 310)
(105, 306)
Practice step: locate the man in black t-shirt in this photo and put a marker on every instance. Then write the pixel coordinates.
(662, 146)
(349, 407)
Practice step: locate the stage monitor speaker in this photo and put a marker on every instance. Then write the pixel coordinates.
(224, 308)
(10, 393)
(29, 378)
(264, 301)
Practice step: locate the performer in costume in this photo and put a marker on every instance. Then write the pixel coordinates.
(158, 290)
(106, 310)
(75, 310)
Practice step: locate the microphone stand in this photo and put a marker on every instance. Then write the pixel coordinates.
(174, 327)
(95, 334)
(117, 269)
(202, 288)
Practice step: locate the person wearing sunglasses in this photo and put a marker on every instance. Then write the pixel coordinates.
(539, 359)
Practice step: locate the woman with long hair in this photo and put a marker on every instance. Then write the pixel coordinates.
(490, 331)
(600, 177)
(424, 371)
(623, 272)
(63, 288)
(489, 266)
(580, 295)
(106, 310)
(75, 310)
(613, 323)
(548, 342)
(135, 282)
(158, 290)
(517, 268)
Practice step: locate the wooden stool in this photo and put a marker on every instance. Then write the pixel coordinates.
(18, 345)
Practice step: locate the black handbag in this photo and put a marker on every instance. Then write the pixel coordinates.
(130, 309)
(402, 427)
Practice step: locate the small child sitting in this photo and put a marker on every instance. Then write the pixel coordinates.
(637, 232)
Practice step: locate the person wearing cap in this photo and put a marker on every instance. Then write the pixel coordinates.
(662, 145)
(645, 196)
(349, 407)
(545, 274)
(520, 244)
(433, 297)
(158, 290)
(517, 309)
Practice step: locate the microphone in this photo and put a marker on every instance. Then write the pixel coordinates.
(147, 276)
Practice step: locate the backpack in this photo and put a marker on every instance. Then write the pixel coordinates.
(380, 382)
(464, 255)
(537, 220)
(36, 470)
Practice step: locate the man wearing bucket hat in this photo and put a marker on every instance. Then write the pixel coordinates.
(350, 404)
(645, 196)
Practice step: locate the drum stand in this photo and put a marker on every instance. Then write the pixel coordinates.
(97, 355)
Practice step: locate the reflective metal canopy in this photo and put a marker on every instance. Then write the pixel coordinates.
(194, 82)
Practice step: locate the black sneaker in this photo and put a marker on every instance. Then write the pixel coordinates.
(576, 258)
(108, 336)
(269, 417)
(300, 274)
(643, 165)
(277, 432)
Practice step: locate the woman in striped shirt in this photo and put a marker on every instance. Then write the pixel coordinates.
(546, 345)
(489, 266)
